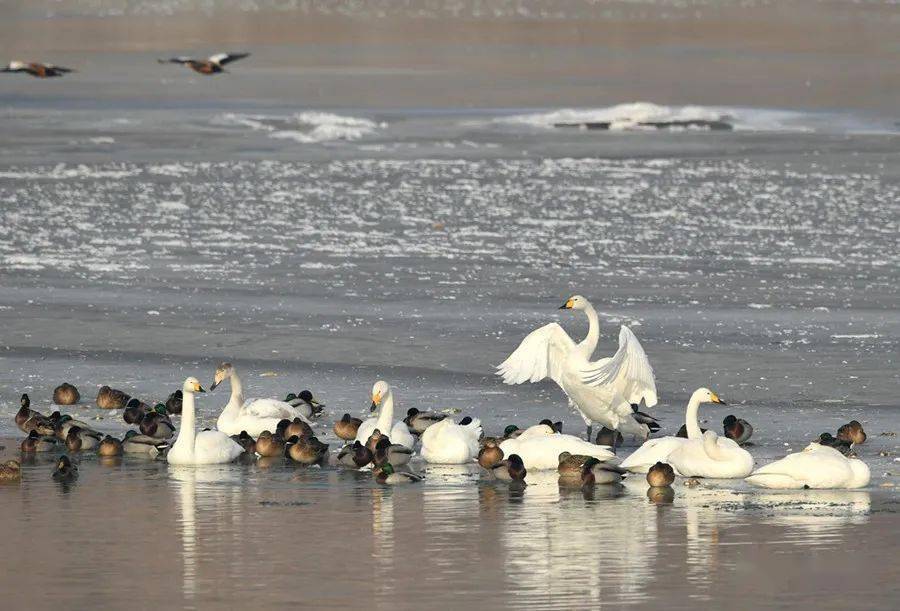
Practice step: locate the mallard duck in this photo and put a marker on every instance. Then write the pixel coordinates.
(173, 403)
(65, 470)
(372, 441)
(510, 470)
(35, 442)
(28, 419)
(841, 445)
(571, 465)
(135, 443)
(355, 455)
(511, 432)
(418, 421)
(245, 441)
(157, 424)
(660, 474)
(737, 429)
(852, 432)
(304, 401)
(595, 471)
(11, 471)
(306, 450)
(78, 439)
(298, 428)
(394, 453)
(268, 445)
(134, 412)
(609, 437)
(110, 446)
(346, 427)
(642, 418)
(490, 453)
(385, 474)
(63, 423)
(110, 398)
(66, 394)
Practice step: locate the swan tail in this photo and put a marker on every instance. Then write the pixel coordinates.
(773, 480)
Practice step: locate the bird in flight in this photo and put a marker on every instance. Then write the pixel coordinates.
(36, 69)
(214, 65)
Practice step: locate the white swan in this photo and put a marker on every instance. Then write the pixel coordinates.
(205, 447)
(817, 466)
(449, 443)
(398, 432)
(658, 450)
(542, 451)
(712, 456)
(252, 415)
(602, 390)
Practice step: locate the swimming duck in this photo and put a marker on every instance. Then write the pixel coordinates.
(306, 450)
(205, 447)
(268, 444)
(110, 398)
(511, 469)
(841, 445)
(66, 394)
(852, 432)
(609, 437)
(245, 441)
(36, 69)
(135, 443)
(571, 465)
(737, 429)
(383, 398)
(346, 427)
(355, 455)
(385, 474)
(78, 439)
(110, 446)
(65, 470)
(660, 474)
(214, 64)
(304, 401)
(449, 443)
(596, 471)
(156, 424)
(11, 471)
(28, 419)
(394, 453)
(36, 442)
(173, 403)
(490, 453)
(817, 466)
(418, 421)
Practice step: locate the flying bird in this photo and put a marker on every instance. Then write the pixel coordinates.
(36, 69)
(213, 65)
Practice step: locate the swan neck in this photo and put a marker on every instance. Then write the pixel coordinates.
(691, 422)
(593, 334)
(711, 447)
(186, 431)
(237, 392)
(386, 415)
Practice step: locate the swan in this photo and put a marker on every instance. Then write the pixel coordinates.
(205, 447)
(712, 456)
(817, 466)
(383, 396)
(658, 450)
(448, 443)
(542, 451)
(252, 415)
(603, 391)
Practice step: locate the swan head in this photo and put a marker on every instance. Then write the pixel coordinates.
(223, 372)
(192, 385)
(575, 302)
(379, 391)
(705, 395)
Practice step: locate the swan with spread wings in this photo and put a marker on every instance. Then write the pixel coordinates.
(606, 391)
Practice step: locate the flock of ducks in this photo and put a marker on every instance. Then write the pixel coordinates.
(607, 391)
(214, 64)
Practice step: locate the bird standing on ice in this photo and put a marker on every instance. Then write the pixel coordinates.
(213, 65)
(36, 69)
(603, 390)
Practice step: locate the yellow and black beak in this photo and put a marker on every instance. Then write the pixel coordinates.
(715, 399)
(567, 305)
(373, 407)
(198, 388)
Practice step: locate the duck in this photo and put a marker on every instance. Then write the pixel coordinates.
(556, 427)
(268, 445)
(511, 431)
(373, 440)
(346, 427)
(36, 69)
(418, 422)
(63, 423)
(65, 470)
(134, 411)
(841, 445)
(28, 419)
(297, 427)
(35, 442)
(214, 64)
(110, 446)
(658, 450)
(644, 418)
(247, 442)
(66, 394)
(306, 450)
(383, 397)
(541, 452)
(394, 453)
(817, 466)
(157, 424)
(111, 398)
(609, 437)
(712, 456)
(252, 415)
(78, 439)
(852, 432)
(682, 431)
(490, 453)
(11, 471)
(737, 429)
(571, 465)
(511, 469)
(173, 403)
(449, 443)
(304, 401)
(385, 474)
(661, 474)
(596, 472)
(205, 447)
(355, 455)
(135, 443)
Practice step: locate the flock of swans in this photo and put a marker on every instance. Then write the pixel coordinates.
(608, 392)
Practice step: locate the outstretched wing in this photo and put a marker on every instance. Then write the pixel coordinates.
(227, 58)
(628, 370)
(181, 59)
(540, 355)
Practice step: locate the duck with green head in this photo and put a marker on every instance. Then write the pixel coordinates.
(386, 474)
(156, 423)
(63, 423)
(65, 470)
(355, 455)
(511, 469)
(393, 453)
(418, 421)
(173, 403)
(305, 403)
(78, 439)
(135, 443)
(595, 472)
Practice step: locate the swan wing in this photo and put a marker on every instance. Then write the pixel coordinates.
(628, 369)
(271, 408)
(215, 447)
(542, 354)
(651, 452)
